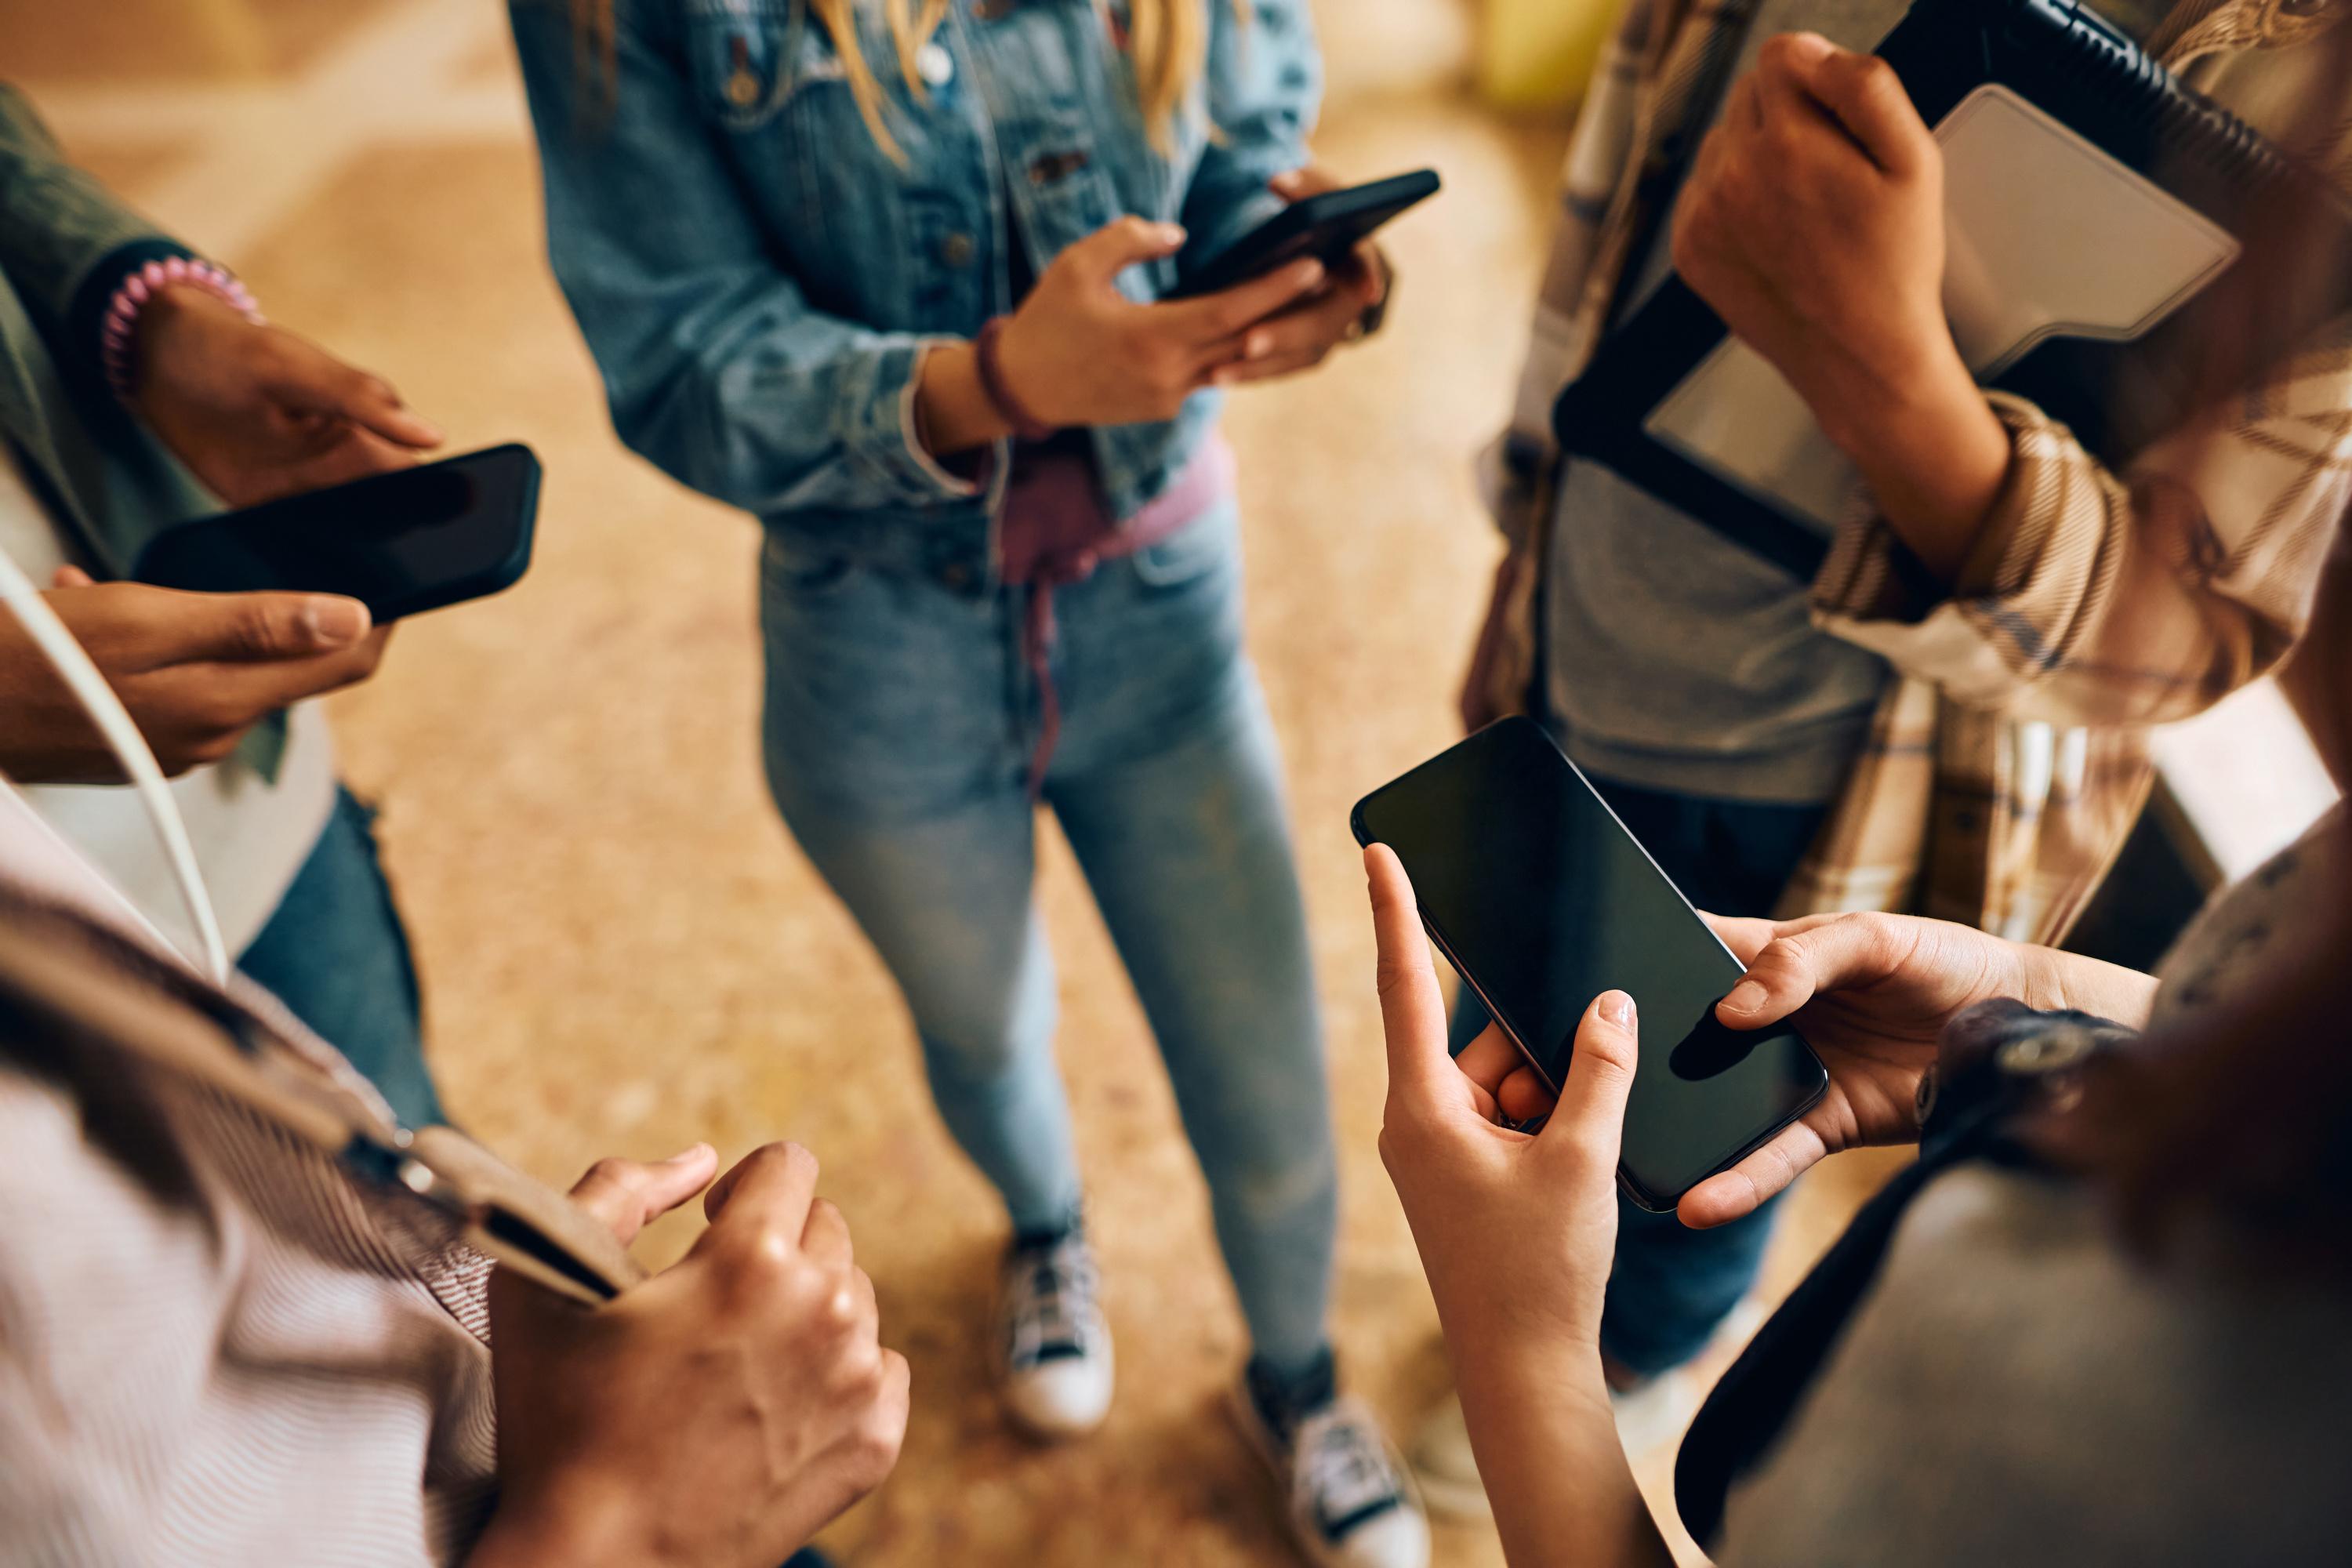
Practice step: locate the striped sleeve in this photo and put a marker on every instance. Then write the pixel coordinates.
(2098, 597)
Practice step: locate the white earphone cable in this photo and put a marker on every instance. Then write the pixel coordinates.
(97, 699)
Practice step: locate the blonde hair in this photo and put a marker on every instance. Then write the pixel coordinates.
(1167, 39)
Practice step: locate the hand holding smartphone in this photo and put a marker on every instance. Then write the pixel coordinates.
(401, 543)
(1326, 225)
(1542, 900)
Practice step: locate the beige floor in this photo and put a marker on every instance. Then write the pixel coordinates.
(623, 950)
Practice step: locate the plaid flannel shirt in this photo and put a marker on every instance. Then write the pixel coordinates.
(2008, 758)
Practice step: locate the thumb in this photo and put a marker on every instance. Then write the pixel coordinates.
(1119, 245)
(247, 627)
(628, 1194)
(1592, 1110)
(70, 577)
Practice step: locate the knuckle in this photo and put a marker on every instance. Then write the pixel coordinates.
(861, 1366)
(258, 629)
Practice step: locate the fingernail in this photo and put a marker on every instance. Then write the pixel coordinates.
(1746, 997)
(1172, 233)
(1618, 1008)
(1257, 345)
(335, 622)
(1310, 274)
(1811, 46)
(688, 1155)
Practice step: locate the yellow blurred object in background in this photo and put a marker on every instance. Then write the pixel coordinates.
(1538, 54)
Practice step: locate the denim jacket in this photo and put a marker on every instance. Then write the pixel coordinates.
(758, 279)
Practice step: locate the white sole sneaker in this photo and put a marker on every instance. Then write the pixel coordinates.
(1055, 1401)
(1396, 1537)
(1051, 1343)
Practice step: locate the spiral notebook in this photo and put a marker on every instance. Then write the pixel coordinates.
(2091, 202)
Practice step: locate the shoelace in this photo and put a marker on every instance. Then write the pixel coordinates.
(1345, 1468)
(1050, 1309)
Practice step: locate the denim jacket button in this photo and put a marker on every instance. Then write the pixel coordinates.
(956, 250)
(934, 64)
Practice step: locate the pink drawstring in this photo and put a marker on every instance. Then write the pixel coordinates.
(1055, 534)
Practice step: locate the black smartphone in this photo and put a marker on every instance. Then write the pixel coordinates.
(402, 543)
(1542, 899)
(1326, 226)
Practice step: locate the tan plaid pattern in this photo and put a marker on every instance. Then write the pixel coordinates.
(2008, 758)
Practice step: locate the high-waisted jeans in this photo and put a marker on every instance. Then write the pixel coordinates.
(900, 722)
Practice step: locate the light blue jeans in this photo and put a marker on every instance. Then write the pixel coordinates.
(900, 722)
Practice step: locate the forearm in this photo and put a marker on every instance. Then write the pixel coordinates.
(1932, 452)
(2055, 979)
(1546, 1440)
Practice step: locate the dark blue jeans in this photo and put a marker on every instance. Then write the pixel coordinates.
(337, 955)
(1669, 1284)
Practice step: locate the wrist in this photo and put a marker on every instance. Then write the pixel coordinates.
(1012, 404)
(146, 305)
(585, 1527)
(952, 411)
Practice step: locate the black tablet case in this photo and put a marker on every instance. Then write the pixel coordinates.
(2116, 397)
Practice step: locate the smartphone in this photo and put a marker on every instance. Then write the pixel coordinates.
(402, 543)
(1542, 900)
(1326, 226)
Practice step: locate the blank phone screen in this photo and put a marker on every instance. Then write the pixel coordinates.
(1543, 901)
(400, 541)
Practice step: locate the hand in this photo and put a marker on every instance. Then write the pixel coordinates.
(1515, 1230)
(1516, 1233)
(718, 1415)
(1872, 993)
(1812, 222)
(195, 671)
(1298, 338)
(257, 413)
(1079, 353)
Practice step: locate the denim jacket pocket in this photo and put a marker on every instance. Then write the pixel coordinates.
(749, 58)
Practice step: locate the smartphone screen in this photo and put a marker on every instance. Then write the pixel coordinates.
(404, 541)
(1542, 900)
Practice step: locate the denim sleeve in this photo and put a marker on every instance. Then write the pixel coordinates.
(716, 367)
(1265, 79)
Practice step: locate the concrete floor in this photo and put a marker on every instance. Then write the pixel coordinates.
(623, 951)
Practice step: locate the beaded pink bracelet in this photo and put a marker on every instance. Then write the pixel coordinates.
(122, 318)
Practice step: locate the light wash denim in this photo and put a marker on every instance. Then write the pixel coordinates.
(335, 951)
(758, 281)
(901, 719)
(757, 278)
